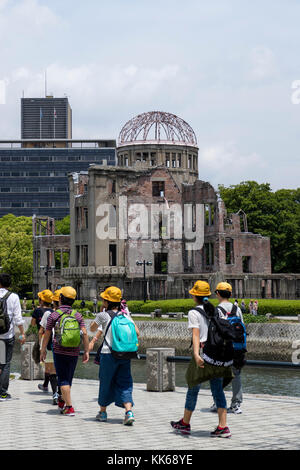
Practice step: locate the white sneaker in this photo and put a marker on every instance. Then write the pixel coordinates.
(236, 409)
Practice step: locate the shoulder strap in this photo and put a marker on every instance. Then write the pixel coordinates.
(222, 309)
(112, 315)
(202, 312)
(233, 311)
(5, 297)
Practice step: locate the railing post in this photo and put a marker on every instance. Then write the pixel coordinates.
(160, 373)
(29, 369)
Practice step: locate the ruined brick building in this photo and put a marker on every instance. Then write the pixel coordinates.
(152, 207)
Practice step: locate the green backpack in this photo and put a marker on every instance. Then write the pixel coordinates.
(67, 330)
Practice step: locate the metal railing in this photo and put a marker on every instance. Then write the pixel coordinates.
(250, 363)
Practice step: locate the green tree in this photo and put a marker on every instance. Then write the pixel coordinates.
(62, 227)
(272, 214)
(16, 253)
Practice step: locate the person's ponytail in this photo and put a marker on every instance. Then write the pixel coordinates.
(208, 307)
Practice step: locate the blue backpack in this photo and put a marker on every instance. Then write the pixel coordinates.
(238, 325)
(125, 342)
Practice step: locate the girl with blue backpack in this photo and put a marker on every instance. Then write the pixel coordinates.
(120, 345)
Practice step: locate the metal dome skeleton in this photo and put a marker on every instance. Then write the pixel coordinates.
(158, 127)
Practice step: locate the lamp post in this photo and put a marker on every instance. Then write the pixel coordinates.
(48, 269)
(144, 263)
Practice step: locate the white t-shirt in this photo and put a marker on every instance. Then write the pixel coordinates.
(196, 320)
(44, 320)
(103, 319)
(14, 312)
(228, 307)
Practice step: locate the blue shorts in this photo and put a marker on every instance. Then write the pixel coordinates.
(65, 369)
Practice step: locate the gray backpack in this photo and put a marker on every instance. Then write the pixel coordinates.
(4, 317)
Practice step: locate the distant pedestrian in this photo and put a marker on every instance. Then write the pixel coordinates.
(116, 383)
(11, 316)
(243, 307)
(24, 304)
(236, 303)
(95, 305)
(68, 325)
(251, 307)
(255, 308)
(82, 304)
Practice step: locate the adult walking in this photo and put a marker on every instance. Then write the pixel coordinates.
(10, 316)
(116, 383)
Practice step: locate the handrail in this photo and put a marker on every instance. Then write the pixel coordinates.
(250, 363)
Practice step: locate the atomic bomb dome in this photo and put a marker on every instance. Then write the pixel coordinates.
(157, 127)
(158, 139)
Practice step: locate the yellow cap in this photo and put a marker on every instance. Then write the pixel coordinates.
(224, 286)
(112, 294)
(201, 289)
(56, 296)
(68, 292)
(46, 296)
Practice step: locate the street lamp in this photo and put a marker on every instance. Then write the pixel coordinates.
(144, 263)
(48, 269)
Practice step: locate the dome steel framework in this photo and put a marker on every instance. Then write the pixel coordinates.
(157, 126)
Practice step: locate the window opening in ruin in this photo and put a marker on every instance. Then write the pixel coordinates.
(158, 188)
(112, 216)
(86, 217)
(85, 255)
(179, 160)
(77, 255)
(66, 259)
(112, 255)
(246, 264)
(161, 263)
(209, 254)
(113, 187)
(229, 252)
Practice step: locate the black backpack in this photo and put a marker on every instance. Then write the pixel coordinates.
(221, 336)
(4, 317)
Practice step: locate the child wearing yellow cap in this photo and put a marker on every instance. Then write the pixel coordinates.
(199, 325)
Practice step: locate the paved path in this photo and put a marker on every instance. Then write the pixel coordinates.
(30, 421)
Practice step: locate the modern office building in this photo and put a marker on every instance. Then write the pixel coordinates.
(46, 118)
(34, 173)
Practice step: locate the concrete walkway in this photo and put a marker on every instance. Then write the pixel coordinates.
(29, 421)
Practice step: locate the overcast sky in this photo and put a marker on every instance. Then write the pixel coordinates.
(225, 66)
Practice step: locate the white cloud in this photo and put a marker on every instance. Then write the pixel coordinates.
(224, 163)
(262, 63)
(25, 20)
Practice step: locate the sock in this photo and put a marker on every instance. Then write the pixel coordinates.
(47, 379)
(53, 381)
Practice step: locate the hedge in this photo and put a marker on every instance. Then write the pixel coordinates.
(275, 307)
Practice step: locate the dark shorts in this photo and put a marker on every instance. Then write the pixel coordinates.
(65, 369)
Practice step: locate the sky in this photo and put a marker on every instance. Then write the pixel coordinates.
(227, 67)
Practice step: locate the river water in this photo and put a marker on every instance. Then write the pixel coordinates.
(255, 380)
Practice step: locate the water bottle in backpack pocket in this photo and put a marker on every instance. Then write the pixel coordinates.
(67, 330)
(240, 341)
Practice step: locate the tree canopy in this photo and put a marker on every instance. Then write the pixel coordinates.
(273, 214)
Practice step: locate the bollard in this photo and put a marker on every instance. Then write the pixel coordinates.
(29, 369)
(160, 373)
(179, 315)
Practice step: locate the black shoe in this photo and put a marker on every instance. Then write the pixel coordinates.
(5, 397)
